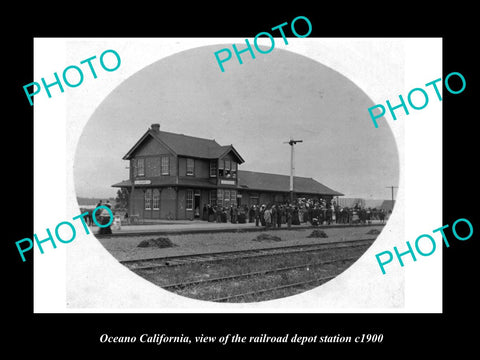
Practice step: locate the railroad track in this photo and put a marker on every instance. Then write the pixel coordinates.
(179, 260)
(182, 285)
(262, 283)
(187, 284)
(272, 289)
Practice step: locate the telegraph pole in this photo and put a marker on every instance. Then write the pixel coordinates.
(292, 164)
(392, 187)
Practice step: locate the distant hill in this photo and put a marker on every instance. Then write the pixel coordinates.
(84, 201)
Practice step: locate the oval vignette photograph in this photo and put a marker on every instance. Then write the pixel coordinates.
(253, 184)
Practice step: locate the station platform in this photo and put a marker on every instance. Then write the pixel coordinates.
(161, 227)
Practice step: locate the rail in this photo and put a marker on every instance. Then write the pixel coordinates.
(178, 260)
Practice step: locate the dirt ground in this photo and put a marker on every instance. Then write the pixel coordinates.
(126, 248)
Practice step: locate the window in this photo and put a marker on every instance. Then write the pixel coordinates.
(165, 165)
(225, 197)
(227, 168)
(220, 168)
(148, 199)
(189, 199)
(254, 199)
(156, 199)
(190, 167)
(213, 198)
(213, 168)
(140, 168)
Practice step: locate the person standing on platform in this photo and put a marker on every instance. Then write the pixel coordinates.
(104, 219)
(234, 214)
(268, 218)
(274, 212)
(279, 216)
(289, 214)
(97, 213)
(251, 213)
(262, 215)
(256, 210)
(209, 213)
(295, 218)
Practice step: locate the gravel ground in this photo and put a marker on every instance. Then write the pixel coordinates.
(125, 248)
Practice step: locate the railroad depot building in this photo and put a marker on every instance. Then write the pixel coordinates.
(171, 175)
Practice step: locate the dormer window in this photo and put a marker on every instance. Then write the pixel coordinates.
(221, 170)
(227, 169)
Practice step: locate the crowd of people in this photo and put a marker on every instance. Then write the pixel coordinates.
(302, 210)
(272, 215)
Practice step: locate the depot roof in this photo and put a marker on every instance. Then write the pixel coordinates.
(185, 145)
(247, 180)
(281, 183)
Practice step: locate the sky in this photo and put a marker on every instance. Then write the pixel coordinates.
(256, 106)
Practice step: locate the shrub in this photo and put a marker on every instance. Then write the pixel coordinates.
(318, 234)
(161, 242)
(267, 237)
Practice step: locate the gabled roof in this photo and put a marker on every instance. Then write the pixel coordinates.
(274, 182)
(185, 145)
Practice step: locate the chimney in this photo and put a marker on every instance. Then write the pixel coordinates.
(156, 127)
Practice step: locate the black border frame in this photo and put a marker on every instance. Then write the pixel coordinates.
(408, 333)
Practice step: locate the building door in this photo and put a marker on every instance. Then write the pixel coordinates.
(196, 204)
